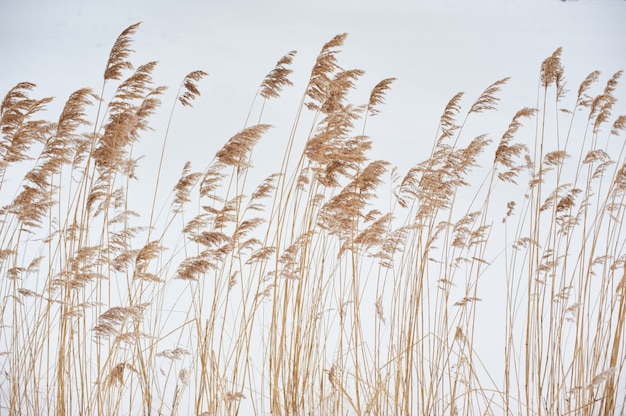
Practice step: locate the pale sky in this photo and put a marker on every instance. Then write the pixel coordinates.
(434, 49)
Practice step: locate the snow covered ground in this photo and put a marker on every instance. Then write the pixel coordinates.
(434, 49)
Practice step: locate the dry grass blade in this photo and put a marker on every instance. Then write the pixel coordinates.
(110, 321)
(15, 109)
(333, 150)
(377, 96)
(551, 69)
(183, 187)
(602, 105)
(31, 206)
(596, 155)
(375, 234)
(73, 115)
(337, 90)
(506, 150)
(335, 300)
(583, 99)
(619, 183)
(555, 158)
(488, 99)
(194, 267)
(135, 100)
(116, 376)
(175, 354)
(262, 191)
(325, 65)
(235, 152)
(190, 87)
(19, 131)
(147, 253)
(17, 94)
(120, 52)
(447, 121)
(277, 79)
(133, 88)
(618, 125)
(211, 181)
(340, 213)
(65, 144)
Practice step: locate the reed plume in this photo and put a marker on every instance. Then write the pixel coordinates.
(489, 278)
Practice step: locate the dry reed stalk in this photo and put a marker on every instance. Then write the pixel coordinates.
(323, 303)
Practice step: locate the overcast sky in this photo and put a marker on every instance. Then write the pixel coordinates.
(434, 48)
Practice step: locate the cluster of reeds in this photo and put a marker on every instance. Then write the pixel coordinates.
(338, 284)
